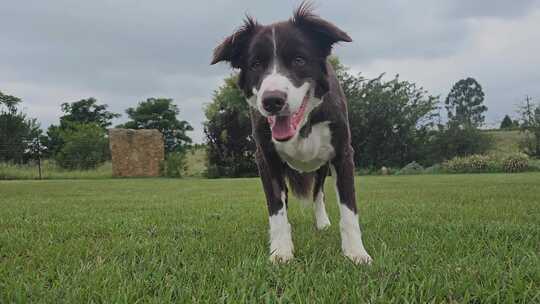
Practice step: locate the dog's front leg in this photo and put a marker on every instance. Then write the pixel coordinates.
(351, 237)
(275, 189)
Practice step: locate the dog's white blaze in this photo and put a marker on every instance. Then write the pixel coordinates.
(321, 218)
(307, 154)
(278, 82)
(252, 101)
(275, 49)
(351, 237)
(281, 245)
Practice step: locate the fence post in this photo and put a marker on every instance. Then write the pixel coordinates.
(39, 157)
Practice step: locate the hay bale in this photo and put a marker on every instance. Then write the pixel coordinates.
(136, 152)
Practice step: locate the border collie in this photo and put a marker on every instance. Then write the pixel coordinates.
(299, 120)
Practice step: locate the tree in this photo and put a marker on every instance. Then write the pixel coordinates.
(85, 146)
(530, 143)
(231, 148)
(464, 103)
(17, 131)
(84, 111)
(507, 123)
(389, 120)
(453, 140)
(161, 114)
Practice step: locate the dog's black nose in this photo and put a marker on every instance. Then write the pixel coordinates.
(273, 101)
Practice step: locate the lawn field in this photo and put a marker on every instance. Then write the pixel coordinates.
(434, 239)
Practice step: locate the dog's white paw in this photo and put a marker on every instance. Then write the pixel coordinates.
(360, 258)
(281, 257)
(323, 223)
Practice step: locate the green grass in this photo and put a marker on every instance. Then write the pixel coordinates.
(434, 238)
(50, 170)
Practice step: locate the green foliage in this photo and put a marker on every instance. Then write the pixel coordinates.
(174, 164)
(389, 120)
(17, 130)
(161, 114)
(517, 162)
(435, 169)
(465, 104)
(509, 124)
(470, 164)
(411, 168)
(85, 147)
(84, 111)
(231, 148)
(454, 140)
(530, 143)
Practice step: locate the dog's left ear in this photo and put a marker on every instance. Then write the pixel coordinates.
(325, 33)
(232, 48)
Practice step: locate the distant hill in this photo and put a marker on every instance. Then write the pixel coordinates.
(505, 141)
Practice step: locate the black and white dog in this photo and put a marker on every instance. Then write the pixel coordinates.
(299, 120)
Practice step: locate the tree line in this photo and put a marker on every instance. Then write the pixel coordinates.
(393, 123)
(79, 140)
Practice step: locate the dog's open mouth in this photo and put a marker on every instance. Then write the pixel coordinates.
(284, 127)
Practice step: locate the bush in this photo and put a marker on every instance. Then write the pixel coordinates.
(471, 164)
(85, 147)
(534, 165)
(518, 162)
(174, 164)
(411, 168)
(435, 169)
(231, 148)
(453, 141)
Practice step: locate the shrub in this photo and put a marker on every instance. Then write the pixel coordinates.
(411, 168)
(452, 141)
(174, 164)
(437, 168)
(85, 147)
(518, 162)
(471, 164)
(230, 146)
(534, 165)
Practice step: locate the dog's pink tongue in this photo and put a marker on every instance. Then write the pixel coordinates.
(282, 129)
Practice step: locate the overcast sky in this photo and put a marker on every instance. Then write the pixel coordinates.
(122, 52)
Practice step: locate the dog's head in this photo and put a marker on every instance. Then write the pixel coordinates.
(282, 66)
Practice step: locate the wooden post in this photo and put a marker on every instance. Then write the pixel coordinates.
(39, 158)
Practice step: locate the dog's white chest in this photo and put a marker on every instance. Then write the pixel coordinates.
(307, 154)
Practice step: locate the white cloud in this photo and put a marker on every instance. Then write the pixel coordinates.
(499, 53)
(123, 52)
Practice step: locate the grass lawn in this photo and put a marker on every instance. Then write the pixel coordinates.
(434, 238)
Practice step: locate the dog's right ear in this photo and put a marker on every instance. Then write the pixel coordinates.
(232, 47)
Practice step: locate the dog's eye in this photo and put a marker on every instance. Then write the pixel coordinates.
(299, 61)
(255, 65)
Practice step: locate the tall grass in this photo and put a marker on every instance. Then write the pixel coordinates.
(50, 170)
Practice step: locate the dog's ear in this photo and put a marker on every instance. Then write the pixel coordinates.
(323, 32)
(232, 47)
